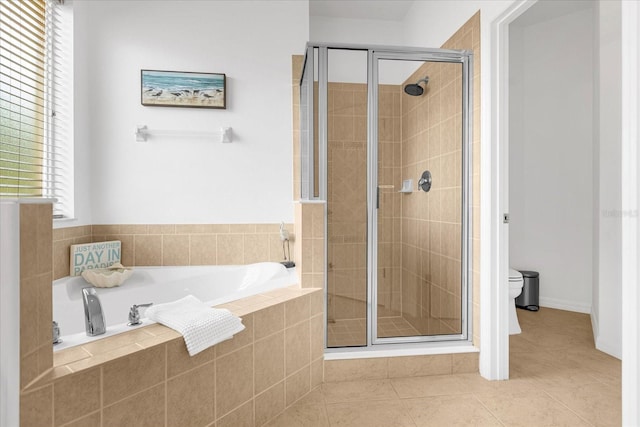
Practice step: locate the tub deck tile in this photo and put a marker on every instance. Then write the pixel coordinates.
(77, 359)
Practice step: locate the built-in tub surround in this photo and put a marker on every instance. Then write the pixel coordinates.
(177, 244)
(147, 376)
(25, 298)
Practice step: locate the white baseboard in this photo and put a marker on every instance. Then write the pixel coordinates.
(610, 348)
(564, 305)
(595, 326)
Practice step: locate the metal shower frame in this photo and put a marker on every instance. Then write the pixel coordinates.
(375, 54)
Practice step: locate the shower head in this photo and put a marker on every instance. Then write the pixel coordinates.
(415, 89)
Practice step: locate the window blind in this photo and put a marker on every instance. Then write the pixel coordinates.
(35, 155)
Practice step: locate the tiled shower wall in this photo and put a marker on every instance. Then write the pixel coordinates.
(177, 244)
(347, 201)
(390, 182)
(431, 222)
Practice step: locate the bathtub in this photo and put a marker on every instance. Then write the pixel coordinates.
(213, 285)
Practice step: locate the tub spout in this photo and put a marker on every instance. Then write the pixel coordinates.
(93, 315)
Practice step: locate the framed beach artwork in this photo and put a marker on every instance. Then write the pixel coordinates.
(183, 89)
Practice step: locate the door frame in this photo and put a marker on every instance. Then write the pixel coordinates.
(465, 58)
(494, 354)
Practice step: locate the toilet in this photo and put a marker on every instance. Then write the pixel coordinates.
(516, 282)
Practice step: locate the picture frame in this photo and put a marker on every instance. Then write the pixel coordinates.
(183, 89)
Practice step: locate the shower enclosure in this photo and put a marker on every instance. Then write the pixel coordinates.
(385, 137)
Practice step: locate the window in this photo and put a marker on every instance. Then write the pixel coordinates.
(35, 121)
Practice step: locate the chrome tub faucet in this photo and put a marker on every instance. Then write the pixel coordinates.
(93, 315)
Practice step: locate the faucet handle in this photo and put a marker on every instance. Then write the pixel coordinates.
(56, 333)
(134, 314)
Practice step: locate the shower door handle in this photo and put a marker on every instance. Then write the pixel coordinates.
(378, 197)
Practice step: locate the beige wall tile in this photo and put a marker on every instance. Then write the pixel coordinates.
(91, 420)
(28, 241)
(145, 409)
(234, 376)
(175, 249)
(239, 340)
(117, 341)
(269, 362)
(296, 310)
(100, 229)
(256, 248)
(147, 250)
(45, 357)
(69, 355)
(297, 347)
(297, 385)
(28, 368)
(240, 417)
(203, 249)
(316, 303)
(355, 369)
(44, 233)
(36, 408)
(465, 363)
(161, 229)
(191, 396)
(133, 373)
(61, 260)
(230, 249)
(268, 321)
(318, 262)
(76, 395)
(316, 333)
(28, 310)
(317, 373)
(269, 404)
(419, 365)
(179, 360)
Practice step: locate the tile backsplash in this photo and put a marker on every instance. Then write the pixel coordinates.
(177, 244)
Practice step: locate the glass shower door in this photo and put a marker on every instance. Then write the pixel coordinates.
(419, 293)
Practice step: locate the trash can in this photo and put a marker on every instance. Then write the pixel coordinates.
(528, 299)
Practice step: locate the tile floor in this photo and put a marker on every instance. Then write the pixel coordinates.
(558, 378)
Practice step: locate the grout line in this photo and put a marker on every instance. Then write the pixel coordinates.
(566, 406)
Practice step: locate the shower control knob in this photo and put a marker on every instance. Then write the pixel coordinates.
(425, 181)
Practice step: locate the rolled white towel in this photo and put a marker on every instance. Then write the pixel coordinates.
(200, 325)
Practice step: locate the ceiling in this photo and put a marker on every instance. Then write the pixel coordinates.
(385, 10)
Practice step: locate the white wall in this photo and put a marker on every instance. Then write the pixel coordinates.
(550, 157)
(607, 317)
(355, 31)
(179, 179)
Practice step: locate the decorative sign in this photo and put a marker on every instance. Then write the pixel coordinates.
(94, 255)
